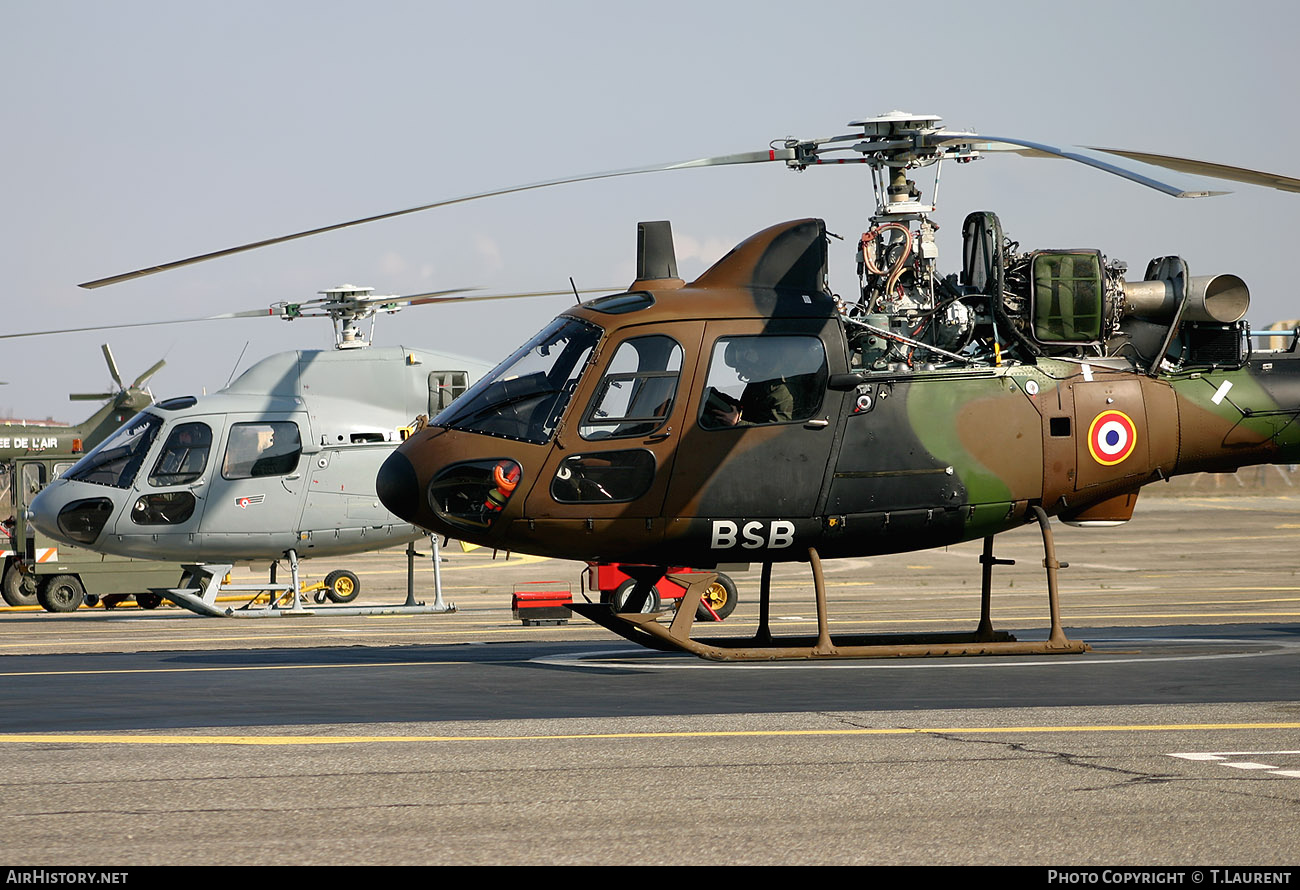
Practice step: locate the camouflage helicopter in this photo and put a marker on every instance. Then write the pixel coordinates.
(752, 415)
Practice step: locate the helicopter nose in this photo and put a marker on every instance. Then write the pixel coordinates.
(65, 518)
(42, 508)
(398, 487)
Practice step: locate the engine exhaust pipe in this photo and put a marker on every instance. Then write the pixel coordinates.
(1222, 299)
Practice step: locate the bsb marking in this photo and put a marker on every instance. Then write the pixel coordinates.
(1111, 437)
(753, 535)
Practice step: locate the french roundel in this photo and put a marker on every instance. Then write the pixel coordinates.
(1111, 437)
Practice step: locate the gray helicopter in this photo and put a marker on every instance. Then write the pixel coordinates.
(280, 464)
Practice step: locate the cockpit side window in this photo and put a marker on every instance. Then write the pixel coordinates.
(116, 461)
(184, 455)
(762, 380)
(265, 448)
(636, 395)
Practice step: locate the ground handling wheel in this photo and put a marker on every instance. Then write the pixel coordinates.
(720, 596)
(618, 598)
(61, 593)
(148, 600)
(342, 586)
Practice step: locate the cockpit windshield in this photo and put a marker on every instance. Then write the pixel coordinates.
(117, 459)
(525, 395)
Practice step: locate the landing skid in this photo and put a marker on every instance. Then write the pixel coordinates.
(645, 630)
(202, 584)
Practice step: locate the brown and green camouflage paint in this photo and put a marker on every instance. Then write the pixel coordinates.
(891, 461)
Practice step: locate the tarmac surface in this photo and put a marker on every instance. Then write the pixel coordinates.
(134, 738)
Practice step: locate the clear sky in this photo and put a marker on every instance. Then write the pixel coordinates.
(137, 132)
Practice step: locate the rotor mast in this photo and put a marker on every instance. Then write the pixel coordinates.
(898, 253)
(348, 306)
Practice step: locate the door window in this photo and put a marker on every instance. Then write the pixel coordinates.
(603, 477)
(33, 480)
(266, 448)
(445, 387)
(164, 508)
(763, 380)
(184, 455)
(636, 395)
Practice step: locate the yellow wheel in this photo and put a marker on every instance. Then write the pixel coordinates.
(720, 596)
(342, 586)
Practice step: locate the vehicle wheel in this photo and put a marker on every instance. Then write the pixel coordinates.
(148, 600)
(342, 586)
(13, 591)
(721, 597)
(113, 600)
(618, 599)
(62, 593)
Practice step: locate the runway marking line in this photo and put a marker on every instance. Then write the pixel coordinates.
(1079, 613)
(264, 741)
(1223, 758)
(307, 633)
(1222, 503)
(240, 667)
(1223, 755)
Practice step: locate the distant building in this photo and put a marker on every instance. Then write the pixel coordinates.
(47, 422)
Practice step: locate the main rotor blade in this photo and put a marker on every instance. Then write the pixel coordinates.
(1039, 149)
(276, 311)
(321, 307)
(791, 150)
(252, 313)
(752, 157)
(435, 297)
(91, 396)
(1206, 168)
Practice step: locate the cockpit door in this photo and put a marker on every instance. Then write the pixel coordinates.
(616, 449)
(257, 489)
(170, 492)
(757, 442)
